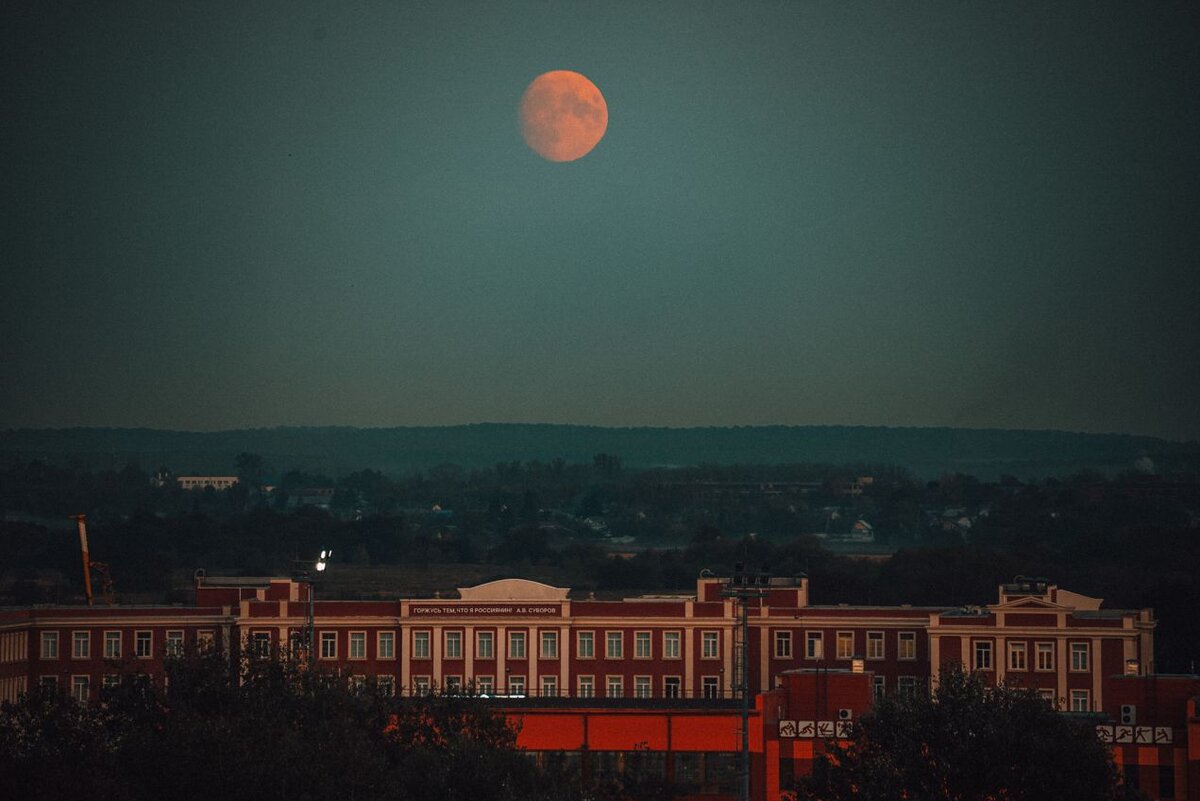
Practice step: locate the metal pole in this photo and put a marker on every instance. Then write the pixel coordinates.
(312, 628)
(743, 657)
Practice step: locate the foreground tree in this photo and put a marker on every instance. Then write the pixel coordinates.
(967, 742)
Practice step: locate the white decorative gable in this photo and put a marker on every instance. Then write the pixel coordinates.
(513, 590)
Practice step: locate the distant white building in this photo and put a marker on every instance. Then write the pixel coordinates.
(204, 482)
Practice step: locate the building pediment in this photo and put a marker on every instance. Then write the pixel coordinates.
(513, 589)
(1029, 605)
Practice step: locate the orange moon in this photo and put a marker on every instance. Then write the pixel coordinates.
(563, 115)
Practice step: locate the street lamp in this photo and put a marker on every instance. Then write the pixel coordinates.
(743, 588)
(321, 564)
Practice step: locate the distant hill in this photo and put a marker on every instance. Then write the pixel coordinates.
(927, 452)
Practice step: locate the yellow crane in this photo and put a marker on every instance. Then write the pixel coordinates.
(106, 582)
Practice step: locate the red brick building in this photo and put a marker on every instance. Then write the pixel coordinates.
(664, 665)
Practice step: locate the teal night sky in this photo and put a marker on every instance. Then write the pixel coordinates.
(230, 214)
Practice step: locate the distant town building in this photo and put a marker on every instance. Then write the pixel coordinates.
(204, 482)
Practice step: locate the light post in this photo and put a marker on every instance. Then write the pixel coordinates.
(310, 634)
(743, 588)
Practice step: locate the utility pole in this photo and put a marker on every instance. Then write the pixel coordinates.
(743, 588)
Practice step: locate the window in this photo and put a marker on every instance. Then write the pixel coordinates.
(1047, 695)
(670, 645)
(878, 687)
(329, 645)
(1016, 656)
(386, 645)
(49, 645)
(358, 645)
(710, 646)
(386, 685)
(1080, 701)
(983, 655)
(109, 681)
(874, 645)
(1045, 656)
(260, 646)
(420, 645)
(672, 687)
(906, 645)
(709, 686)
(1079, 656)
(906, 686)
(614, 643)
(453, 645)
(175, 643)
(485, 685)
(641, 645)
(421, 685)
(586, 645)
(485, 645)
(112, 645)
(81, 645)
(549, 645)
(453, 685)
(845, 644)
(549, 686)
(206, 640)
(357, 683)
(615, 686)
(80, 688)
(587, 686)
(516, 686)
(641, 686)
(516, 645)
(783, 645)
(814, 645)
(142, 644)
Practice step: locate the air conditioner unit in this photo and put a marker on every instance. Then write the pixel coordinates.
(1128, 715)
(845, 714)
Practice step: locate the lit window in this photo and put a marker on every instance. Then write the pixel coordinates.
(906, 645)
(1045, 656)
(983, 655)
(671, 686)
(329, 645)
(387, 645)
(586, 645)
(874, 645)
(454, 645)
(485, 645)
(615, 686)
(641, 645)
(1080, 701)
(641, 686)
(814, 645)
(516, 645)
(549, 686)
(49, 645)
(587, 686)
(142, 644)
(81, 645)
(420, 645)
(783, 645)
(112, 645)
(670, 645)
(845, 644)
(549, 645)
(1079, 656)
(710, 645)
(358, 645)
(1016, 656)
(614, 645)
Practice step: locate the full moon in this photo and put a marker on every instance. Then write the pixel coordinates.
(563, 115)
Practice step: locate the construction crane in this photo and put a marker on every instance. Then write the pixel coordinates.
(101, 568)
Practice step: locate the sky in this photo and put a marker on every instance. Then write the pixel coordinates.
(227, 214)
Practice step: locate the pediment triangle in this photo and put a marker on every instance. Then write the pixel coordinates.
(513, 589)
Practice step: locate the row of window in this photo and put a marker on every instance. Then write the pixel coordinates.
(548, 646)
(1043, 654)
(814, 645)
(586, 686)
(113, 644)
